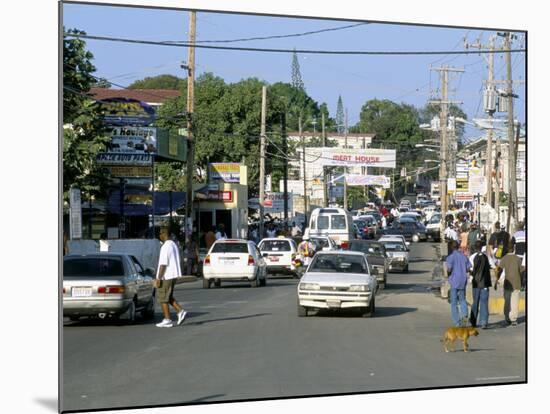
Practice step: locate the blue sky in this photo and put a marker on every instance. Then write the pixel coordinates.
(356, 78)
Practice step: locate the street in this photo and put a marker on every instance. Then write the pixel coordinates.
(240, 343)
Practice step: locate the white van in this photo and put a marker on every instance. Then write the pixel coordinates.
(335, 223)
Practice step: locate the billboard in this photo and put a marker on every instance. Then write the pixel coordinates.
(126, 112)
(229, 172)
(133, 140)
(348, 157)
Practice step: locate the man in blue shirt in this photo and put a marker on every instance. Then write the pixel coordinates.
(457, 266)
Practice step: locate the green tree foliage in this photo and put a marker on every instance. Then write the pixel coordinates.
(160, 82)
(84, 134)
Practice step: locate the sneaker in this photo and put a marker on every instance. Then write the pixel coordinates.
(514, 323)
(181, 316)
(166, 323)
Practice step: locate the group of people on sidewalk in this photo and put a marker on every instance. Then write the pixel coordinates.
(502, 261)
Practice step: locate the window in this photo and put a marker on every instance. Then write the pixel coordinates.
(138, 266)
(275, 246)
(338, 264)
(322, 222)
(338, 222)
(230, 248)
(93, 267)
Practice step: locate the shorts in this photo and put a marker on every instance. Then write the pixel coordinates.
(166, 290)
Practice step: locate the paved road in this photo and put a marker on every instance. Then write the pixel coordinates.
(241, 343)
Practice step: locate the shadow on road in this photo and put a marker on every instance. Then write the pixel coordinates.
(49, 403)
(381, 312)
(228, 319)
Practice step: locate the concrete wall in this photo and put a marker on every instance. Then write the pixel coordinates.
(145, 250)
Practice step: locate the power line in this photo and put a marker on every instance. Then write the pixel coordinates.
(267, 50)
(275, 36)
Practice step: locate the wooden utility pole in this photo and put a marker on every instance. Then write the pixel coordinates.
(285, 166)
(303, 167)
(443, 120)
(324, 144)
(513, 196)
(190, 109)
(346, 168)
(262, 160)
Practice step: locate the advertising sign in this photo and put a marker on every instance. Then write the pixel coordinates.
(133, 140)
(126, 112)
(348, 157)
(75, 223)
(377, 180)
(224, 196)
(229, 172)
(451, 185)
(477, 184)
(130, 171)
(462, 185)
(273, 203)
(292, 186)
(114, 158)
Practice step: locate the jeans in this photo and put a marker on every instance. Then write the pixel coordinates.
(458, 297)
(480, 306)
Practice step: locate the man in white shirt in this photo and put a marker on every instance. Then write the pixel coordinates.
(168, 271)
(220, 234)
(451, 234)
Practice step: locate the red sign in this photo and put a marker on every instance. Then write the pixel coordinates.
(225, 196)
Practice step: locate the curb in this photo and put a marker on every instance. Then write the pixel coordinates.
(496, 301)
(186, 279)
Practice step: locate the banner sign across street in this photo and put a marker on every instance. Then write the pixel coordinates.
(348, 157)
(377, 180)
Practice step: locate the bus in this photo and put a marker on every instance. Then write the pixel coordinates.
(335, 223)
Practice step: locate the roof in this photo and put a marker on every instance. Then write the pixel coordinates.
(158, 96)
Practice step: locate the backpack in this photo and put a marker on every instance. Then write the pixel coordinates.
(501, 240)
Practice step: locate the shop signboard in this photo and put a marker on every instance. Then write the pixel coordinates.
(130, 171)
(126, 112)
(229, 172)
(462, 185)
(223, 196)
(133, 140)
(362, 180)
(349, 157)
(292, 186)
(117, 158)
(451, 185)
(273, 203)
(477, 184)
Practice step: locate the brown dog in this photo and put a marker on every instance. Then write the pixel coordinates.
(463, 333)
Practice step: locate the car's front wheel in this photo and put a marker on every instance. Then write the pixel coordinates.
(302, 310)
(369, 313)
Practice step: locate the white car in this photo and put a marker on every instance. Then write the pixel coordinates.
(234, 260)
(337, 280)
(325, 242)
(393, 237)
(397, 249)
(279, 254)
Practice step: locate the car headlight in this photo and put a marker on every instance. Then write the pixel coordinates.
(359, 288)
(309, 286)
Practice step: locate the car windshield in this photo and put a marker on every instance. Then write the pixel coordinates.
(371, 249)
(230, 248)
(338, 263)
(275, 246)
(360, 223)
(93, 267)
(338, 222)
(394, 246)
(435, 219)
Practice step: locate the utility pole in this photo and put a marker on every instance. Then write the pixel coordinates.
(513, 196)
(285, 165)
(190, 126)
(304, 168)
(346, 168)
(443, 120)
(324, 144)
(262, 160)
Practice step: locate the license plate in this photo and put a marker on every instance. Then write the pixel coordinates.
(79, 292)
(274, 259)
(334, 303)
(229, 262)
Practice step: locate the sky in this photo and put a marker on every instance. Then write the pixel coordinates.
(357, 79)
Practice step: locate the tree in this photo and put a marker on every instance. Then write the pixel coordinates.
(160, 82)
(84, 134)
(296, 75)
(102, 83)
(340, 115)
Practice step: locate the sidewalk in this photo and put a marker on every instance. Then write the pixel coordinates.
(496, 300)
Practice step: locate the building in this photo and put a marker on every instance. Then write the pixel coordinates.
(153, 97)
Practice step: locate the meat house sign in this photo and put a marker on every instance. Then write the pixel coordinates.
(357, 157)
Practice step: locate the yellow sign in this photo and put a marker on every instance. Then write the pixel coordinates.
(173, 145)
(130, 171)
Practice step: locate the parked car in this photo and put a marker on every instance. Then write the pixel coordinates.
(279, 254)
(397, 251)
(379, 262)
(107, 285)
(324, 243)
(234, 260)
(409, 228)
(433, 227)
(337, 280)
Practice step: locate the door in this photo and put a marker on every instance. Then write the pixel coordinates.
(224, 217)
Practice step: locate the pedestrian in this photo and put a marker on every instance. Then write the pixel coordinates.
(519, 242)
(254, 234)
(384, 223)
(210, 237)
(168, 271)
(192, 254)
(481, 282)
(450, 233)
(220, 234)
(306, 249)
(271, 231)
(464, 239)
(512, 267)
(499, 242)
(457, 266)
(473, 237)
(295, 230)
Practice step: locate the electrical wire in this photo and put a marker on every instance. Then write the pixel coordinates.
(267, 50)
